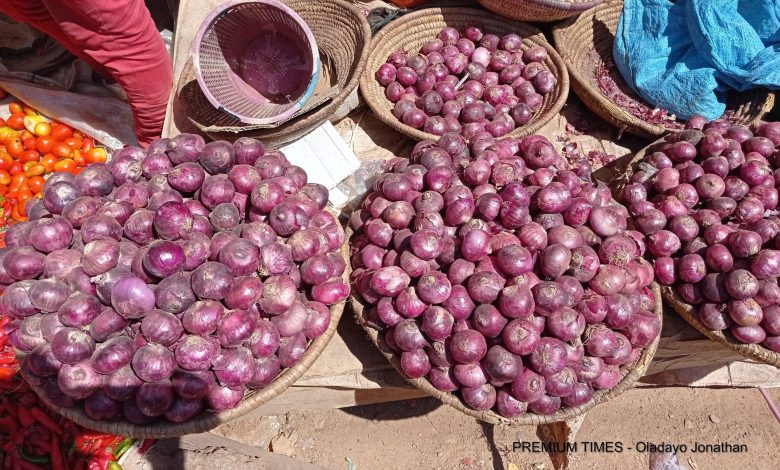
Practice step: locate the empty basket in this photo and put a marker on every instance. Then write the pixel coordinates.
(256, 60)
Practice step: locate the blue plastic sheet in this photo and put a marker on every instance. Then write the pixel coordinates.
(685, 56)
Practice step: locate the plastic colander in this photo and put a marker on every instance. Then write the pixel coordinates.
(256, 60)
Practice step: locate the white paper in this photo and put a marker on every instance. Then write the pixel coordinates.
(326, 158)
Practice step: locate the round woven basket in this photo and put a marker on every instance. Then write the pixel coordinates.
(538, 10)
(630, 374)
(688, 312)
(586, 41)
(209, 420)
(343, 37)
(411, 31)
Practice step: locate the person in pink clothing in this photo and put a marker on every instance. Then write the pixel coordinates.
(118, 39)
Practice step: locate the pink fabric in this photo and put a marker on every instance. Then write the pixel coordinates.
(117, 38)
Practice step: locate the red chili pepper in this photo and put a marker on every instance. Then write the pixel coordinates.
(57, 462)
(45, 420)
(146, 445)
(21, 464)
(25, 417)
(9, 425)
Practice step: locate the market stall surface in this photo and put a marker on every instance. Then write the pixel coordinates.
(423, 434)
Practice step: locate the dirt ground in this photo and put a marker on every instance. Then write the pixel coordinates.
(424, 434)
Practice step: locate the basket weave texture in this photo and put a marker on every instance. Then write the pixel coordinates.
(343, 37)
(411, 31)
(209, 420)
(538, 10)
(588, 38)
(688, 312)
(630, 374)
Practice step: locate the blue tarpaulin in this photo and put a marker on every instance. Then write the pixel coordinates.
(685, 56)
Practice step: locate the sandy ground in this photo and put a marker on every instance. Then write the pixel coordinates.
(423, 434)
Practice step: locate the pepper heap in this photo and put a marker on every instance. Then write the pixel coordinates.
(32, 146)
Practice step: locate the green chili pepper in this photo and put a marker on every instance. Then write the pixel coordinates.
(114, 466)
(123, 446)
(37, 459)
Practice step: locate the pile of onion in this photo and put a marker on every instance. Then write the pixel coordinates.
(707, 200)
(467, 82)
(496, 272)
(172, 280)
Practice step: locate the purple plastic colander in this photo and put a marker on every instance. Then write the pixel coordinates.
(256, 60)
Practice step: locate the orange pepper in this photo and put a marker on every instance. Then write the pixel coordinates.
(14, 147)
(45, 144)
(87, 144)
(2, 121)
(16, 168)
(5, 161)
(29, 110)
(15, 107)
(79, 135)
(16, 182)
(26, 135)
(29, 156)
(97, 155)
(22, 203)
(36, 169)
(30, 144)
(34, 182)
(73, 143)
(5, 178)
(61, 150)
(79, 158)
(61, 132)
(48, 161)
(66, 164)
(16, 215)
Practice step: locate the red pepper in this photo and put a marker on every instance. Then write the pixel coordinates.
(57, 462)
(146, 445)
(9, 425)
(45, 420)
(7, 357)
(25, 418)
(7, 373)
(21, 464)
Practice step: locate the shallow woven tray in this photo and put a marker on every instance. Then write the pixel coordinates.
(209, 420)
(538, 10)
(411, 31)
(343, 37)
(594, 30)
(687, 311)
(630, 373)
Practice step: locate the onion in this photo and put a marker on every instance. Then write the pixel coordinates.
(78, 380)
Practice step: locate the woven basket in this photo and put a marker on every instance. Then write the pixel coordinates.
(592, 34)
(630, 373)
(686, 311)
(343, 37)
(538, 10)
(209, 420)
(411, 31)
